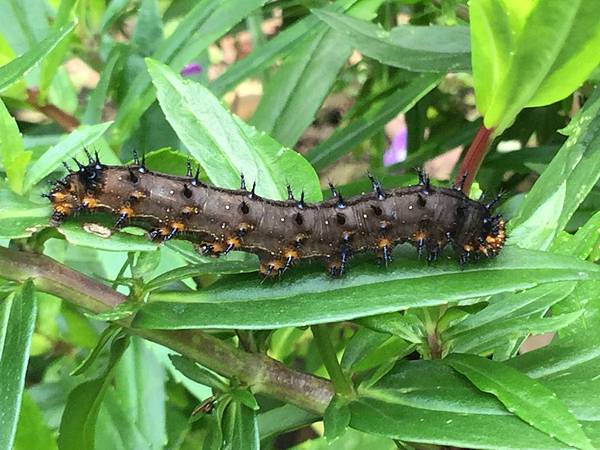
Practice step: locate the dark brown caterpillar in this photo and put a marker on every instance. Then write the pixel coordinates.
(282, 232)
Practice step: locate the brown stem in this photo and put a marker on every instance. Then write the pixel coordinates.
(474, 157)
(263, 374)
(62, 118)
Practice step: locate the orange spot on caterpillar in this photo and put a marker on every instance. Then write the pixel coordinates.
(384, 242)
(177, 226)
(63, 208)
(468, 248)
(58, 196)
(419, 236)
(126, 211)
(189, 210)
(272, 268)
(89, 202)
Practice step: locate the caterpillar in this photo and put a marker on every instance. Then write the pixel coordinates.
(282, 233)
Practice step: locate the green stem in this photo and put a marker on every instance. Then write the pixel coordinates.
(338, 378)
(261, 373)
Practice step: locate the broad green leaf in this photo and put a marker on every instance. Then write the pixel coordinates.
(95, 103)
(486, 339)
(14, 156)
(116, 428)
(240, 428)
(283, 418)
(406, 326)
(17, 320)
(224, 146)
(513, 305)
(78, 424)
(527, 398)
(32, 430)
(260, 59)
(336, 418)
(576, 165)
(427, 402)
(295, 92)
(107, 335)
(540, 229)
(53, 61)
(197, 373)
(102, 238)
(292, 96)
(148, 28)
(372, 121)
(530, 53)
(140, 387)
(206, 22)
(351, 440)
(311, 298)
(74, 143)
(220, 267)
(416, 48)
(360, 345)
(11, 72)
(582, 243)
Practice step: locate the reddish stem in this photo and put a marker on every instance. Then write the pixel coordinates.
(472, 161)
(66, 121)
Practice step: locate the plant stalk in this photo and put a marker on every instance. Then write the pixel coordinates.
(258, 371)
(341, 383)
(474, 157)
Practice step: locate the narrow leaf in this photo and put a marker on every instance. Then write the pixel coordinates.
(11, 72)
(529, 399)
(16, 337)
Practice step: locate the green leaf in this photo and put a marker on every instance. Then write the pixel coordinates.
(72, 144)
(513, 305)
(336, 418)
(294, 94)
(486, 339)
(78, 424)
(102, 238)
(116, 428)
(240, 428)
(220, 267)
(11, 72)
(14, 156)
(32, 431)
(224, 146)
(17, 320)
(283, 418)
(406, 326)
(582, 243)
(527, 398)
(19, 217)
(51, 65)
(96, 100)
(416, 48)
(576, 165)
(530, 54)
(148, 28)
(372, 121)
(107, 335)
(260, 59)
(195, 372)
(311, 298)
(140, 387)
(428, 402)
(206, 22)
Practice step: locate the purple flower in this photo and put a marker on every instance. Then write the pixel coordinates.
(396, 152)
(191, 69)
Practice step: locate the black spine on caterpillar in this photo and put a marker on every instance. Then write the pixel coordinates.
(284, 232)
